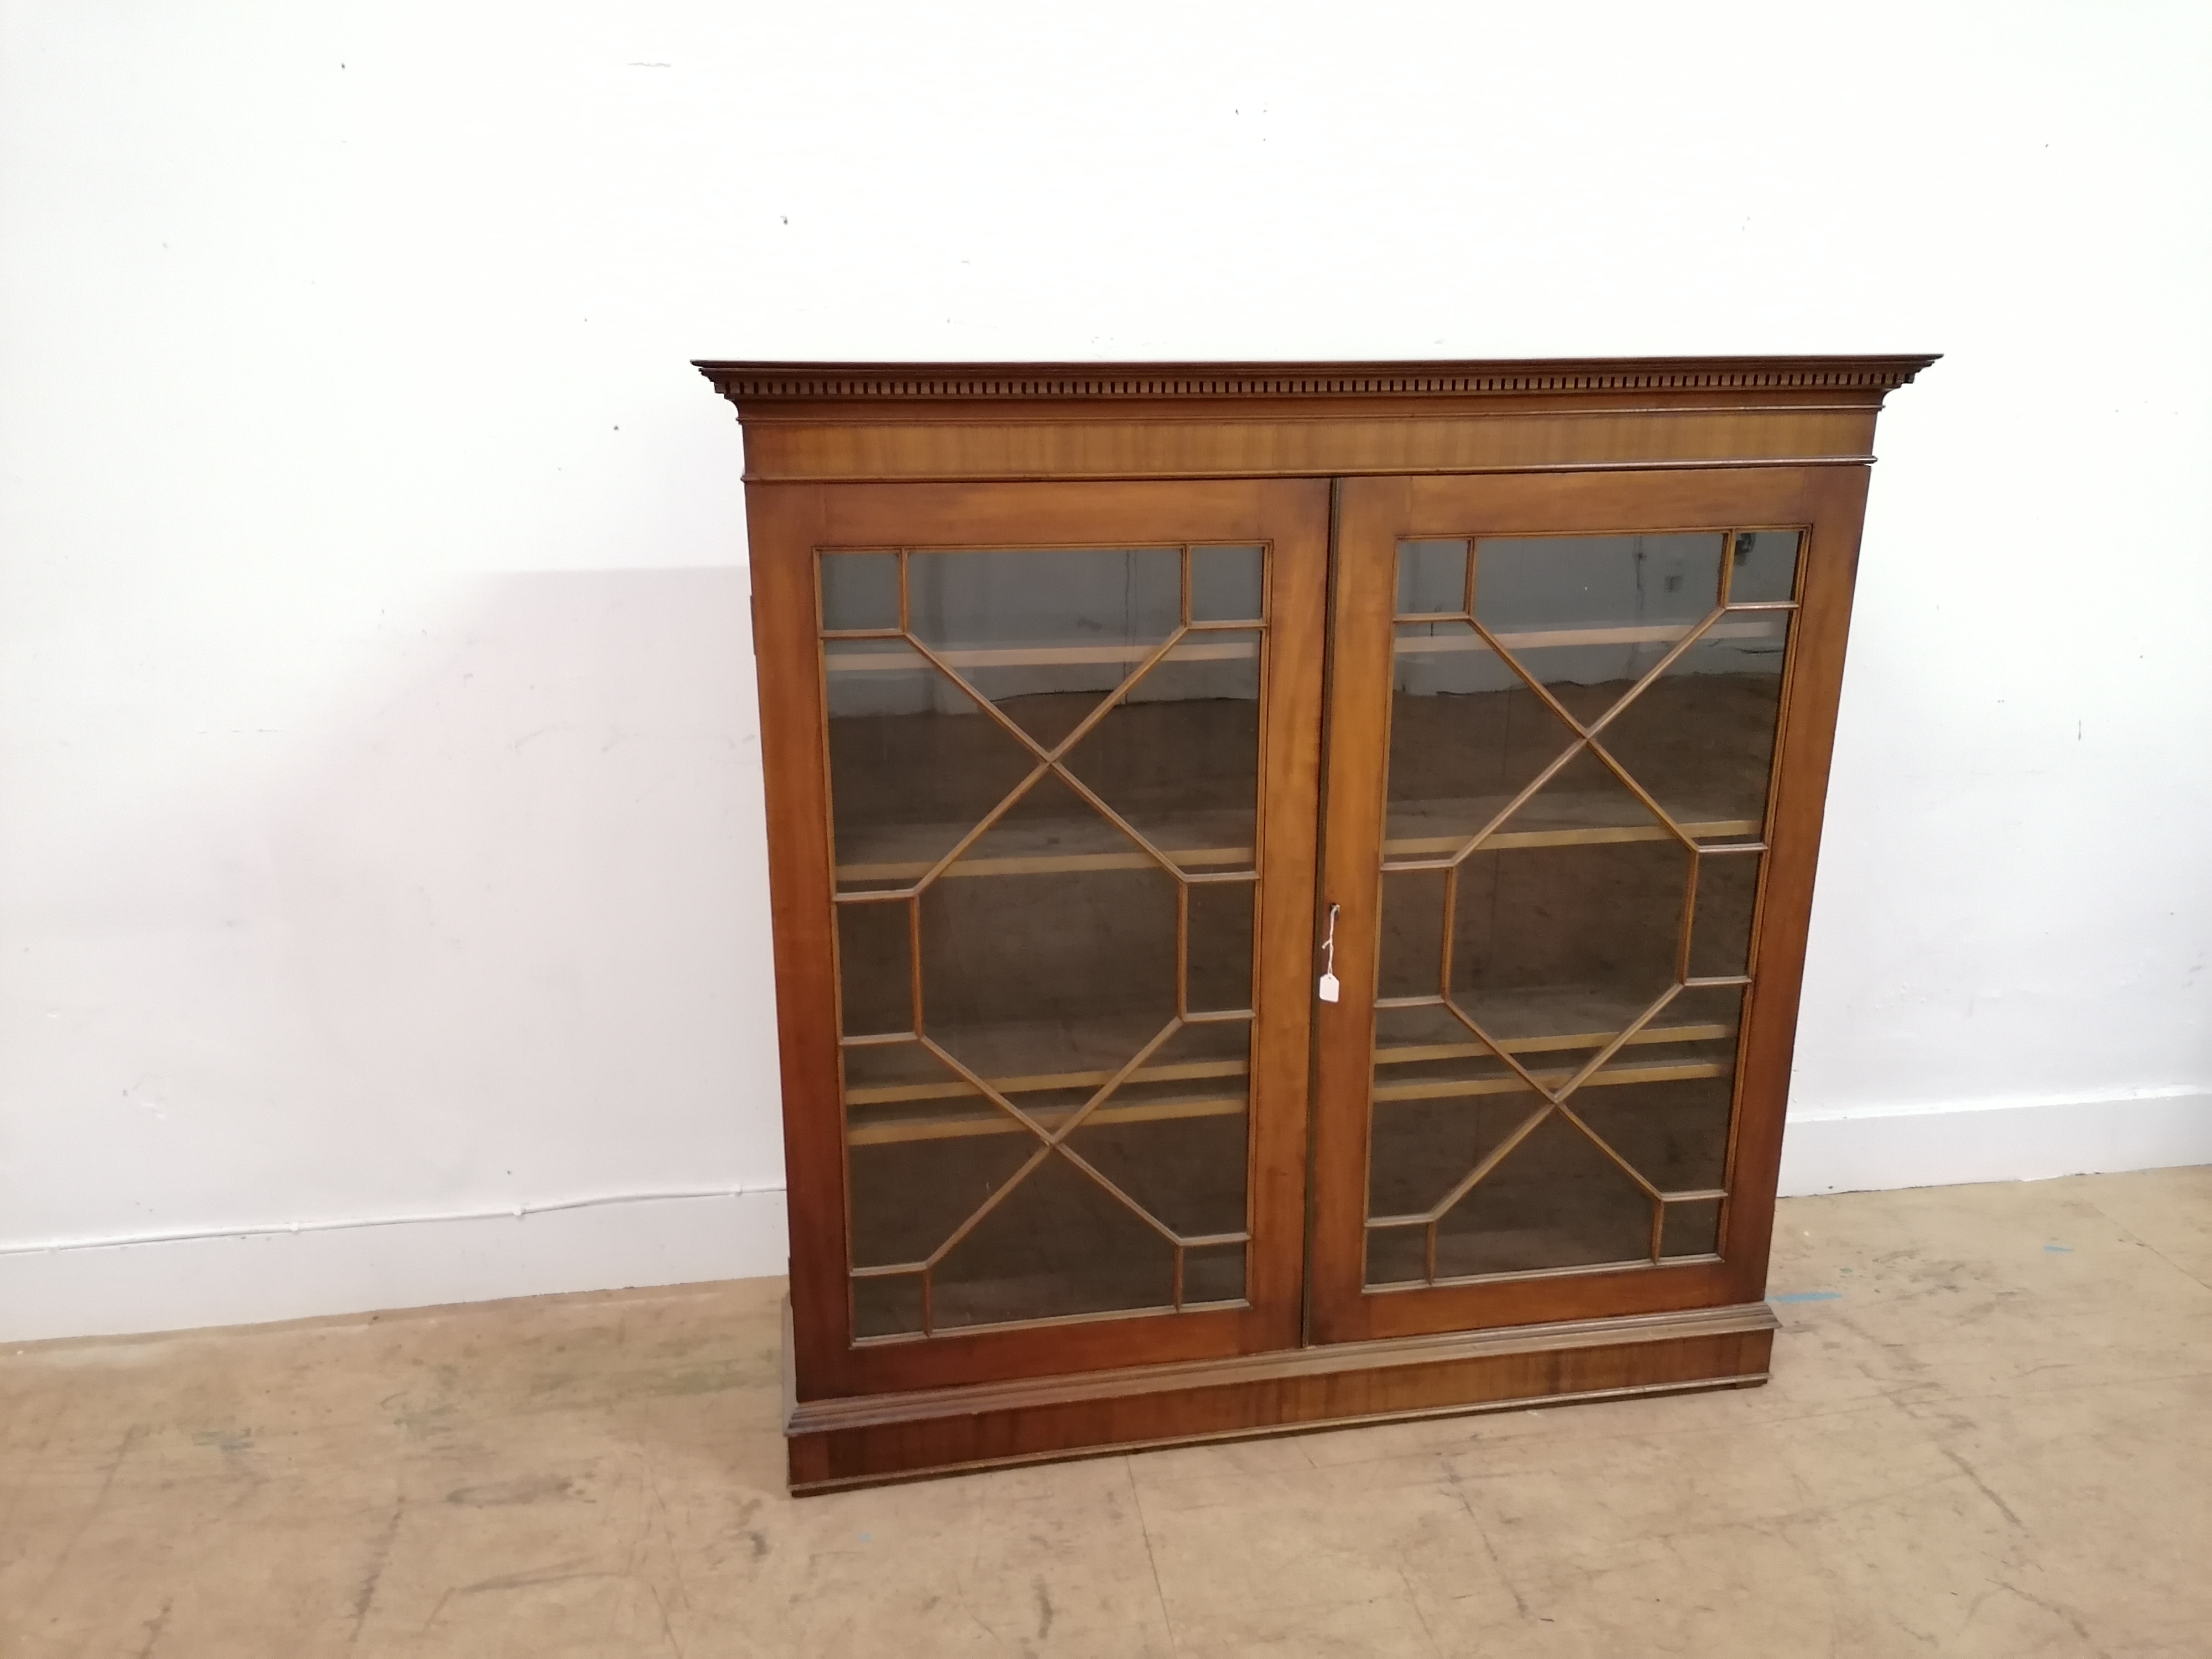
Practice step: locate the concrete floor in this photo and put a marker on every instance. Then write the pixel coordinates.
(1989, 1433)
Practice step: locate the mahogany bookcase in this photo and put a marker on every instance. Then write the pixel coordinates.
(1290, 881)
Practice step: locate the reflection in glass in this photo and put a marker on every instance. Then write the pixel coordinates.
(1589, 616)
(1227, 584)
(1044, 800)
(1178, 758)
(1218, 933)
(1763, 567)
(1554, 1200)
(875, 981)
(1412, 939)
(860, 590)
(1546, 918)
(889, 1305)
(1727, 892)
(1699, 736)
(1691, 1228)
(914, 763)
(1213, 1272)
(1045, 635)
(1058, 1243)
(1580, 755)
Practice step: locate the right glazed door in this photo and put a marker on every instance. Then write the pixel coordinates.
(1577, 748)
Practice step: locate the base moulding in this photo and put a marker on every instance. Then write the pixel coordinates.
(867, 1440)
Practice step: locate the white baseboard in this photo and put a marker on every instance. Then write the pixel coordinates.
(95, 1289)
(1950, 1146)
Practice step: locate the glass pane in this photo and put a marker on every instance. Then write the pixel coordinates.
(1057, 1244)
(1172, 1138)
(1068, 889)
(914, 763)
(1564, 916)
(1691, 1229)
(1178, 757)
(1219, 970)
(924, 1150)
(1431, 578)
(1397, 1255)
(1213, 1272)
(1036, 960)
(1662, 1101)
(887, 1306)
(1589, 616)
(1437, 1120)
(1700, 736)
(1727, 894)
(1044, 636)
(1763, 569)
(1409, 961)
(860, 590)
(1225, 584)
(875, 976)
(1554, 1201)
(1467, 736)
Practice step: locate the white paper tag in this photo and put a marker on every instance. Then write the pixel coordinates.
(1329, 987)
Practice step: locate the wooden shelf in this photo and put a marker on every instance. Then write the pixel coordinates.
(1597, 1033)
(901, 1094)
(906, 660)
(1506, 840)
(1197, 842)
(1452, 1088)
(987, 1119)
(1769, 625)
(1428, 829)
(992, 1122)
(1200, 841)
(1422, 1054)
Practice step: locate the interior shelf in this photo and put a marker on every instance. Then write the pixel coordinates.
(1763, 624)
(1016, 1060)
(1451, 1088)
(990, 1121)
(883, 1114)
(857, 659)
(1426, 829)
(1220, 841)
(1199, 841)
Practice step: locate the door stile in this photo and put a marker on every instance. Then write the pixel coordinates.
(1358, 757)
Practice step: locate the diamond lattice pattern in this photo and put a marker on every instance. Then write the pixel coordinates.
(1044, 790)
(1581, 743)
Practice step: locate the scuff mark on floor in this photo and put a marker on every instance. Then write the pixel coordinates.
(154, 1627)
(377, 1557)
(1044, 1609)
(528, 1489)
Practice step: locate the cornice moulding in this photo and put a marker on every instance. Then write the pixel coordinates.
(906, 383)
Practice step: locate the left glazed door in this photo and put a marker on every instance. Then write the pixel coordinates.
(1043, 770)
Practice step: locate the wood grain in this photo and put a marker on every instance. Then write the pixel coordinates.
(863, 1441)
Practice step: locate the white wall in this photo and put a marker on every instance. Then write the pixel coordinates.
(380, 819)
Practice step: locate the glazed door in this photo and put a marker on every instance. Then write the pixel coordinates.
(1577, 748)
(1045, 759)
